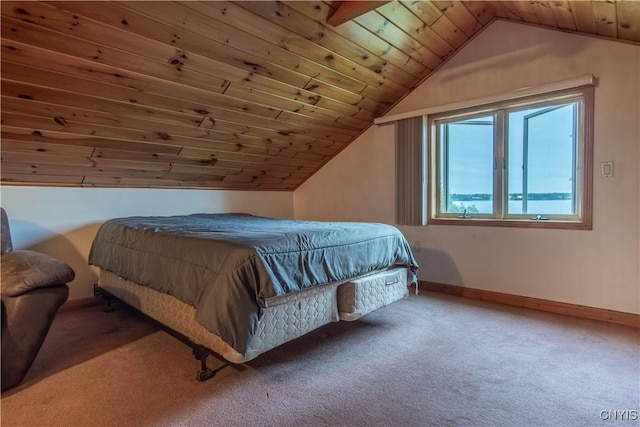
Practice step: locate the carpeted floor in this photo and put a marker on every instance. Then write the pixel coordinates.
(429, 360)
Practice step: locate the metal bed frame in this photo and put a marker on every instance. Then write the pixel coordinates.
(199, 351)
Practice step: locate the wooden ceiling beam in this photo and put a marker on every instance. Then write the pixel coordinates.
(348, 10)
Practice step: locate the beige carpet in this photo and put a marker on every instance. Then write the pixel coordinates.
(426, 360)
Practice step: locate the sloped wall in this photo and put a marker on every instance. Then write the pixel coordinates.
(597, 268)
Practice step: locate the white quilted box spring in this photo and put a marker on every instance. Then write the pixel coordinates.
(285, 318)
(361, 296)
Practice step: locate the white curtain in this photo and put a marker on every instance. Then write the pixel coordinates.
(410, 171)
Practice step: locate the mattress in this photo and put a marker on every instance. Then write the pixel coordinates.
(284, 318)
(282, 321)
(366, 294)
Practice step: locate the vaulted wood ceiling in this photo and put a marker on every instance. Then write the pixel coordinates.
(228, 95)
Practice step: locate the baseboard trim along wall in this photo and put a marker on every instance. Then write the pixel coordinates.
(593, 313)
(76, 304)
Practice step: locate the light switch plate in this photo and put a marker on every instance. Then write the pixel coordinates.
(606, 169)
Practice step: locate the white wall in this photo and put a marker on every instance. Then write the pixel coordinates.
(598, 268)
(63, 221)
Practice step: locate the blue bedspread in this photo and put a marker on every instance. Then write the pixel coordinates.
(228, 265)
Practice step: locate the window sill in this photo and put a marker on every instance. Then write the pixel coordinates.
(513, 223)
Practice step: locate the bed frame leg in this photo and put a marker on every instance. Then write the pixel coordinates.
(109, 303)
(201, 353)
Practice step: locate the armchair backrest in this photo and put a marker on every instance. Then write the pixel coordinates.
(5, 234)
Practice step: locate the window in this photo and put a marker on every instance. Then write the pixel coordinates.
(516, 163)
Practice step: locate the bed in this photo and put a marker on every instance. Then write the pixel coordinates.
(238, 285)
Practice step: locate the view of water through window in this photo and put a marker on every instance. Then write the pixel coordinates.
(550, 207)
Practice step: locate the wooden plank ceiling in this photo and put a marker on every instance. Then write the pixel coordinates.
(228, 95)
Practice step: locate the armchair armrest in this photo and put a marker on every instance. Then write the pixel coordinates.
(26, 320)
(24, 270)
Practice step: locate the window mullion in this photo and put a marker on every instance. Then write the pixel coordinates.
(499, 165)
(445, 166)
(525, 166)
(574, 158)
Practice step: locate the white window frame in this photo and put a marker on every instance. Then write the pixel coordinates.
(582, 219)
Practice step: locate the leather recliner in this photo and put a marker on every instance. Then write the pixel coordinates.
(33, 287)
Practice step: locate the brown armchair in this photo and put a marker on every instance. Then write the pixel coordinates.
(34, 286)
